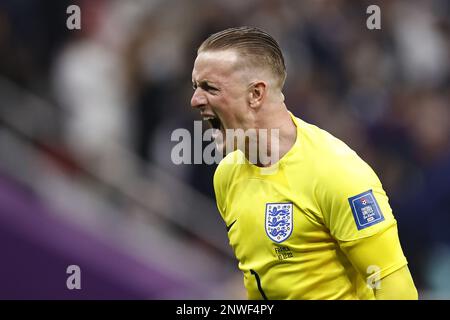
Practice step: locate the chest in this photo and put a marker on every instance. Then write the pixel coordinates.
(267, 214)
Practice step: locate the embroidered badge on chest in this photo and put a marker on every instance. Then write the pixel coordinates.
(279, 221)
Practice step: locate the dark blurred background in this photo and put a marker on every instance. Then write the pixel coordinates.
(86, 117)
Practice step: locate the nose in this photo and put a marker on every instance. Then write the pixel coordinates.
(198, 99)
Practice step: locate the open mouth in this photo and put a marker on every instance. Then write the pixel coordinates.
(214, 122)
(218, 134)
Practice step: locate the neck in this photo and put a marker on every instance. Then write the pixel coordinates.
(275, 135)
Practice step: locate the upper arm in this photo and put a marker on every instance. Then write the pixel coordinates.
(357, 213)
(221, 180)
(380, 260)
(376, 257)
(353, 203)
(219, 189)
(398, 285)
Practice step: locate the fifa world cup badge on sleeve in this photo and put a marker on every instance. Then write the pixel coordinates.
(365, 210)
(279, 221)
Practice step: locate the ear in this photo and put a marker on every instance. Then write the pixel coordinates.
(257, 92)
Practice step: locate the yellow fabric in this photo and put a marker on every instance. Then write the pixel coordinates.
(318, 176)
(376, 256)
(397, 286)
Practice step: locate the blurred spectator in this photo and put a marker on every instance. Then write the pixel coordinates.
(89, 85)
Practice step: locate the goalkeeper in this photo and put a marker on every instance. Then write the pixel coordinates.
(316, 223)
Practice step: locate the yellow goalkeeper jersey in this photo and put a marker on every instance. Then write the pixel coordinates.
(316, 225)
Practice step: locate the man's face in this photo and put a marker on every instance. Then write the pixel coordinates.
(220, 92)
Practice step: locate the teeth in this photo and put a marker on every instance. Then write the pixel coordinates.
(214, 121)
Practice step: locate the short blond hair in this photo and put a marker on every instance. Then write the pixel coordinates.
(259, 47)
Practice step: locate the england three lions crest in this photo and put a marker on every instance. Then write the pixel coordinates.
(279, 221)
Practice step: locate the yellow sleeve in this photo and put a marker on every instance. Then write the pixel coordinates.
(220, 188)
(356, 210)
(226, 171)
(380, 260)
(353, 202)
(399, 285)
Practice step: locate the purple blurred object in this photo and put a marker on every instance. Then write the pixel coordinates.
(37, 247)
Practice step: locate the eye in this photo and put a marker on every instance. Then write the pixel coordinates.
(205, 86)
(210, 89)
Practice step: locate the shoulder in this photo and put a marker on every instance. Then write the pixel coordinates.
(337, 169)
(226, 172)
(330, 155)
(227, 169)
(322, 141)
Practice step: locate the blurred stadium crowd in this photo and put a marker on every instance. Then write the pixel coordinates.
(87, 116)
